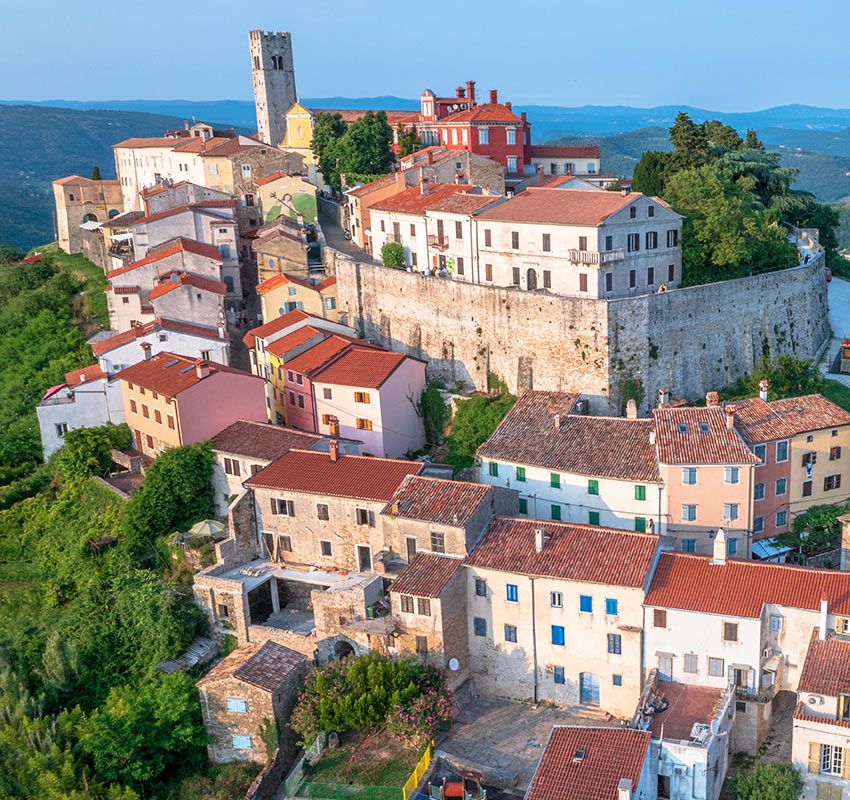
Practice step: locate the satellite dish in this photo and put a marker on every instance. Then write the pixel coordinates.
(454, 664)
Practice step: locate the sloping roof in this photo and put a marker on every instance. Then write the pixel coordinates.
(269, 178)
(123, 220)
(826, 669)
(232, 146)
(556, 207)
(427, 575)
(274, 325)
(85, 375)
(464, 203)
(437, 500)
(282, 278)
(360, 477)
(181, 244)
(151, 141)
(698, 436)
(566, 151)
(200, 205)
(177, 279)
(482, 113)
(412, 201)
(313, 358)
(268, 666)
(169, 374)
(367, 188)
(608, 756)
(261, 440)
(740, 588)
(570, 552)
(760, 421)
(361, 366)
(601, 447)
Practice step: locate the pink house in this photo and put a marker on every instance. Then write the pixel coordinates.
(373, 394)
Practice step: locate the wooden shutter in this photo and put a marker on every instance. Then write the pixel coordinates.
(814, 758)
(846, 764)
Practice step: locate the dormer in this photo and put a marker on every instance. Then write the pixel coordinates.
(426, 100)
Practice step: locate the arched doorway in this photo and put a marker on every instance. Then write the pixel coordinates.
(531, 280)
(343, 648)
(89, 218)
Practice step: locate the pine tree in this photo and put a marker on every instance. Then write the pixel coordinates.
(95, 173)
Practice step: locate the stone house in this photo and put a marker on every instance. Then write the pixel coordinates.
(194, 298)
(81, 200)
(282, 246)
(165, 196)
(246, 693)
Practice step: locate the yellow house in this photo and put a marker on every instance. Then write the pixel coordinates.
(299, 139)
(283, 293)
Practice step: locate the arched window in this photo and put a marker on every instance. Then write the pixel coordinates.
(114, 212)
(274, 62)
(531, 280)
(90, 218)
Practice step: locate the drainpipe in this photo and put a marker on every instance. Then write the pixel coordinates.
(534, 639)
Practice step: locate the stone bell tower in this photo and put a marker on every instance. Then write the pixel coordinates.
(274, 82)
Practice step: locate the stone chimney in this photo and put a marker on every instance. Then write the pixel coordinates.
(824, 614)
(333, 449)
(719, 551)
(652, 438)
(470, 91)
(429, 156)
(557, 420)
(763, 387)
(399, 181)
(333, 424)
(730, 418)
(494, 96)
(844, 519)
(539, 539)
(423, 184)
(146, 349)
(663, 397)
(202, 369)
(631, 409)
(624, 789)
(712, 399)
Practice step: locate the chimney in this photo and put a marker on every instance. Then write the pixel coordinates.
(333, 424)
(508, 105)
(763, 387)
(399, 181)
(844, 519)
(719, 552)
(494, 96)
(539, 539)
(524, 117)
(824, 610)
(730, 418)
(333, 449)
(220, 327)
(146, 349)
(712, 399)
(624, 789)
(540, 175)
(557, 420)
(652, 438)
(631, 409)
(202, 369)
(663, 397)
(458, 177)
(82, 377)
(459, 92)
(470, 91)
(429, 156)
(624, 191)
(423, 184)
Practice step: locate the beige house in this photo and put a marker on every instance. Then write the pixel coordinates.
(555, 612)
(82, 200)
(283, 293)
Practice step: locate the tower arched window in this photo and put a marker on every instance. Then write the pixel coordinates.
(274, 62)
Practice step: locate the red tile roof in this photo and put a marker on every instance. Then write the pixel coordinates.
(760, 421)
(571, 552)
(277, 324)
(159, 188)
(698, 436)
(826, 669)
(368, 188)
(267, 665)
(231, 147)
(687, 704)
(152, 141)
(412, 201)
(180, 245)
(567, 151)
(199, 206)
(202, 331)
(740, 588)
(801, 713)
(269, 178)
(360, 477)
(33, 259)
(177, 279)
(427, 575)
(261, 440)
(600, 447)
(314, 357)
(197, 144)
(557, 207)
(169, 374)
(361, 366)
(609, 755)
(280, 347)
(437, 500)
(282, 278)
(85, 375)
(482, 113)
(464, 203)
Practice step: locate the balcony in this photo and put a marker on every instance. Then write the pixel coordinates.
(394, 237)
(754, 695)
(594, 257)
(440, 242)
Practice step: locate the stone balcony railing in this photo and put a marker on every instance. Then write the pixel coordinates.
(595, 257)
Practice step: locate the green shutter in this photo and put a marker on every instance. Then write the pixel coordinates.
(555, 480)
(593, 517)
(494, 469)
(592, 486)
(556, 512)
(523, 505)
(640, 492)
(520, 474)
(640, 524)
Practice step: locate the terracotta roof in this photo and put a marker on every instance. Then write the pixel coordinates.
(169, 374)
(350, 115)
(326, 283)
(85, 375)
(313, 358)
(280, 323)
(760, 421)
(361, 477)
(571, 552)
(698, 436)
(361, 366)
(484, 112)
(427, 575)
(197, 144)
(412, 201)
(607, 756)
(199, 206)
(33, 259)
(567, 151)
(268, 666)
(189, 328)
(261, 440)
(232, 146)
(602, 447)
(151, 141)
(740, 588)
(556, 207)
(123, 220)
(269, 178)
(187, 245)
(826, 669)
(367, 188)
(687, 704)
(281, 279)
(177, 279)
(437, 500)
(801, 713)
(464, 203)
(159, 188)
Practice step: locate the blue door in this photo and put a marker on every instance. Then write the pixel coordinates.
(589, 688)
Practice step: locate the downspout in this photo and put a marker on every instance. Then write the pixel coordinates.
(534, 640)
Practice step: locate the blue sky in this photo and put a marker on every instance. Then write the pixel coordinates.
(724, 55)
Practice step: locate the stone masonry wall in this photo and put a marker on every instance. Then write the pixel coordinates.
(687, 340)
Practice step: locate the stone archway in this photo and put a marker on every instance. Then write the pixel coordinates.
(90, 218)
(343, 648)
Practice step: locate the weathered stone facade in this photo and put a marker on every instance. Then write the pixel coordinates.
(687, 340)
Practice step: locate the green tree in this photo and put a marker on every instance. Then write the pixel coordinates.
(392, 254)
(365, 145)
(434, 412)
(759, 172)
(752, 142)
(648, 176)
(813, 530)
(408, 140)
(690, 143)
(95, 173)
(87, 451)
(474, 421)
(327, 132)
(720, 135)
(769, 780)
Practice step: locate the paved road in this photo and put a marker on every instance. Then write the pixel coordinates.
(334, 237)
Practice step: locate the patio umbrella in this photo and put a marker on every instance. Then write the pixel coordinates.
(211, 528)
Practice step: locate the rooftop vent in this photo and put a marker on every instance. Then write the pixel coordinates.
(578, 756)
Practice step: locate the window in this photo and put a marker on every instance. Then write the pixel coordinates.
(556, 599)
(547, 243)
(515, 276)
(640, 524)
(730, 511)
(511, 136)
(423, 606)
(286, 544)
(236, 705)
(640, 492)
(322, 511)
(547, 279)
(488, 272)
(361, 516)
(510, 633)
(731, 475)
(617, 680)
(834, 453)
(632, 278)
(459, 265)
(659, 618)
(62, 428)
(523, 505)
(327, 394)
(609, 281)
(730, 632)
(761, 452)
(511, 164)
(325, 547)
(512, 593)
(361, 397)
(831, 482)
(145, 412)
(157, 416)
(582, 282)
(633, 212)
(479, 626)
(715, 667)
(406, 604)
(615, 644)
(585, 603)
(149, 442)
(364, 424)
(592, 486)
(782, 450)
(422, 641)
(231, 467)
(633, 242)
(487, 237)
(582, 243)
(483, 136)
(775, 622)
(758, 524)
(520, 474)
(611, 606)
(651, 240)
(558, 635)
(556, 512)
(689, 476)
(558, 675)
(592, 517)
(438, 542)
(689, 512)
(241, 742)
(493, 469)
(171, 422)
(283, 508)
(454, 135)
(673, 238)
(758, 491)
(514, 240)
(671, 273)
(689, 545)
(781, 519)
(650, 276)
(781, 486)
(480, 587)
(554, 480)
(831, 760)
(807, 488)
(691, 663)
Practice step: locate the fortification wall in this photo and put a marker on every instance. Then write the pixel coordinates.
(688, 340)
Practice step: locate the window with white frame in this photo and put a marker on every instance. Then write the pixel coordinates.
(483, 136)
(716, 667)
(731, 475)
(241, 742)
(831, 759)
(689, 512)
(556, 599)
(782, 451)
(511, 135)
(730, 511)
(512, 164)
(775, 622)
(781, 519)
(283, 508)
(689, 476)
(236, 705)
(690, 663)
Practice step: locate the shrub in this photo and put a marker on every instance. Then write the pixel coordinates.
(87, 451)
(769, 780)
(434, 412)
(392, 254)
(474, 421)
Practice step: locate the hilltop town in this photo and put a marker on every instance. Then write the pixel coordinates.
(471, 479)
